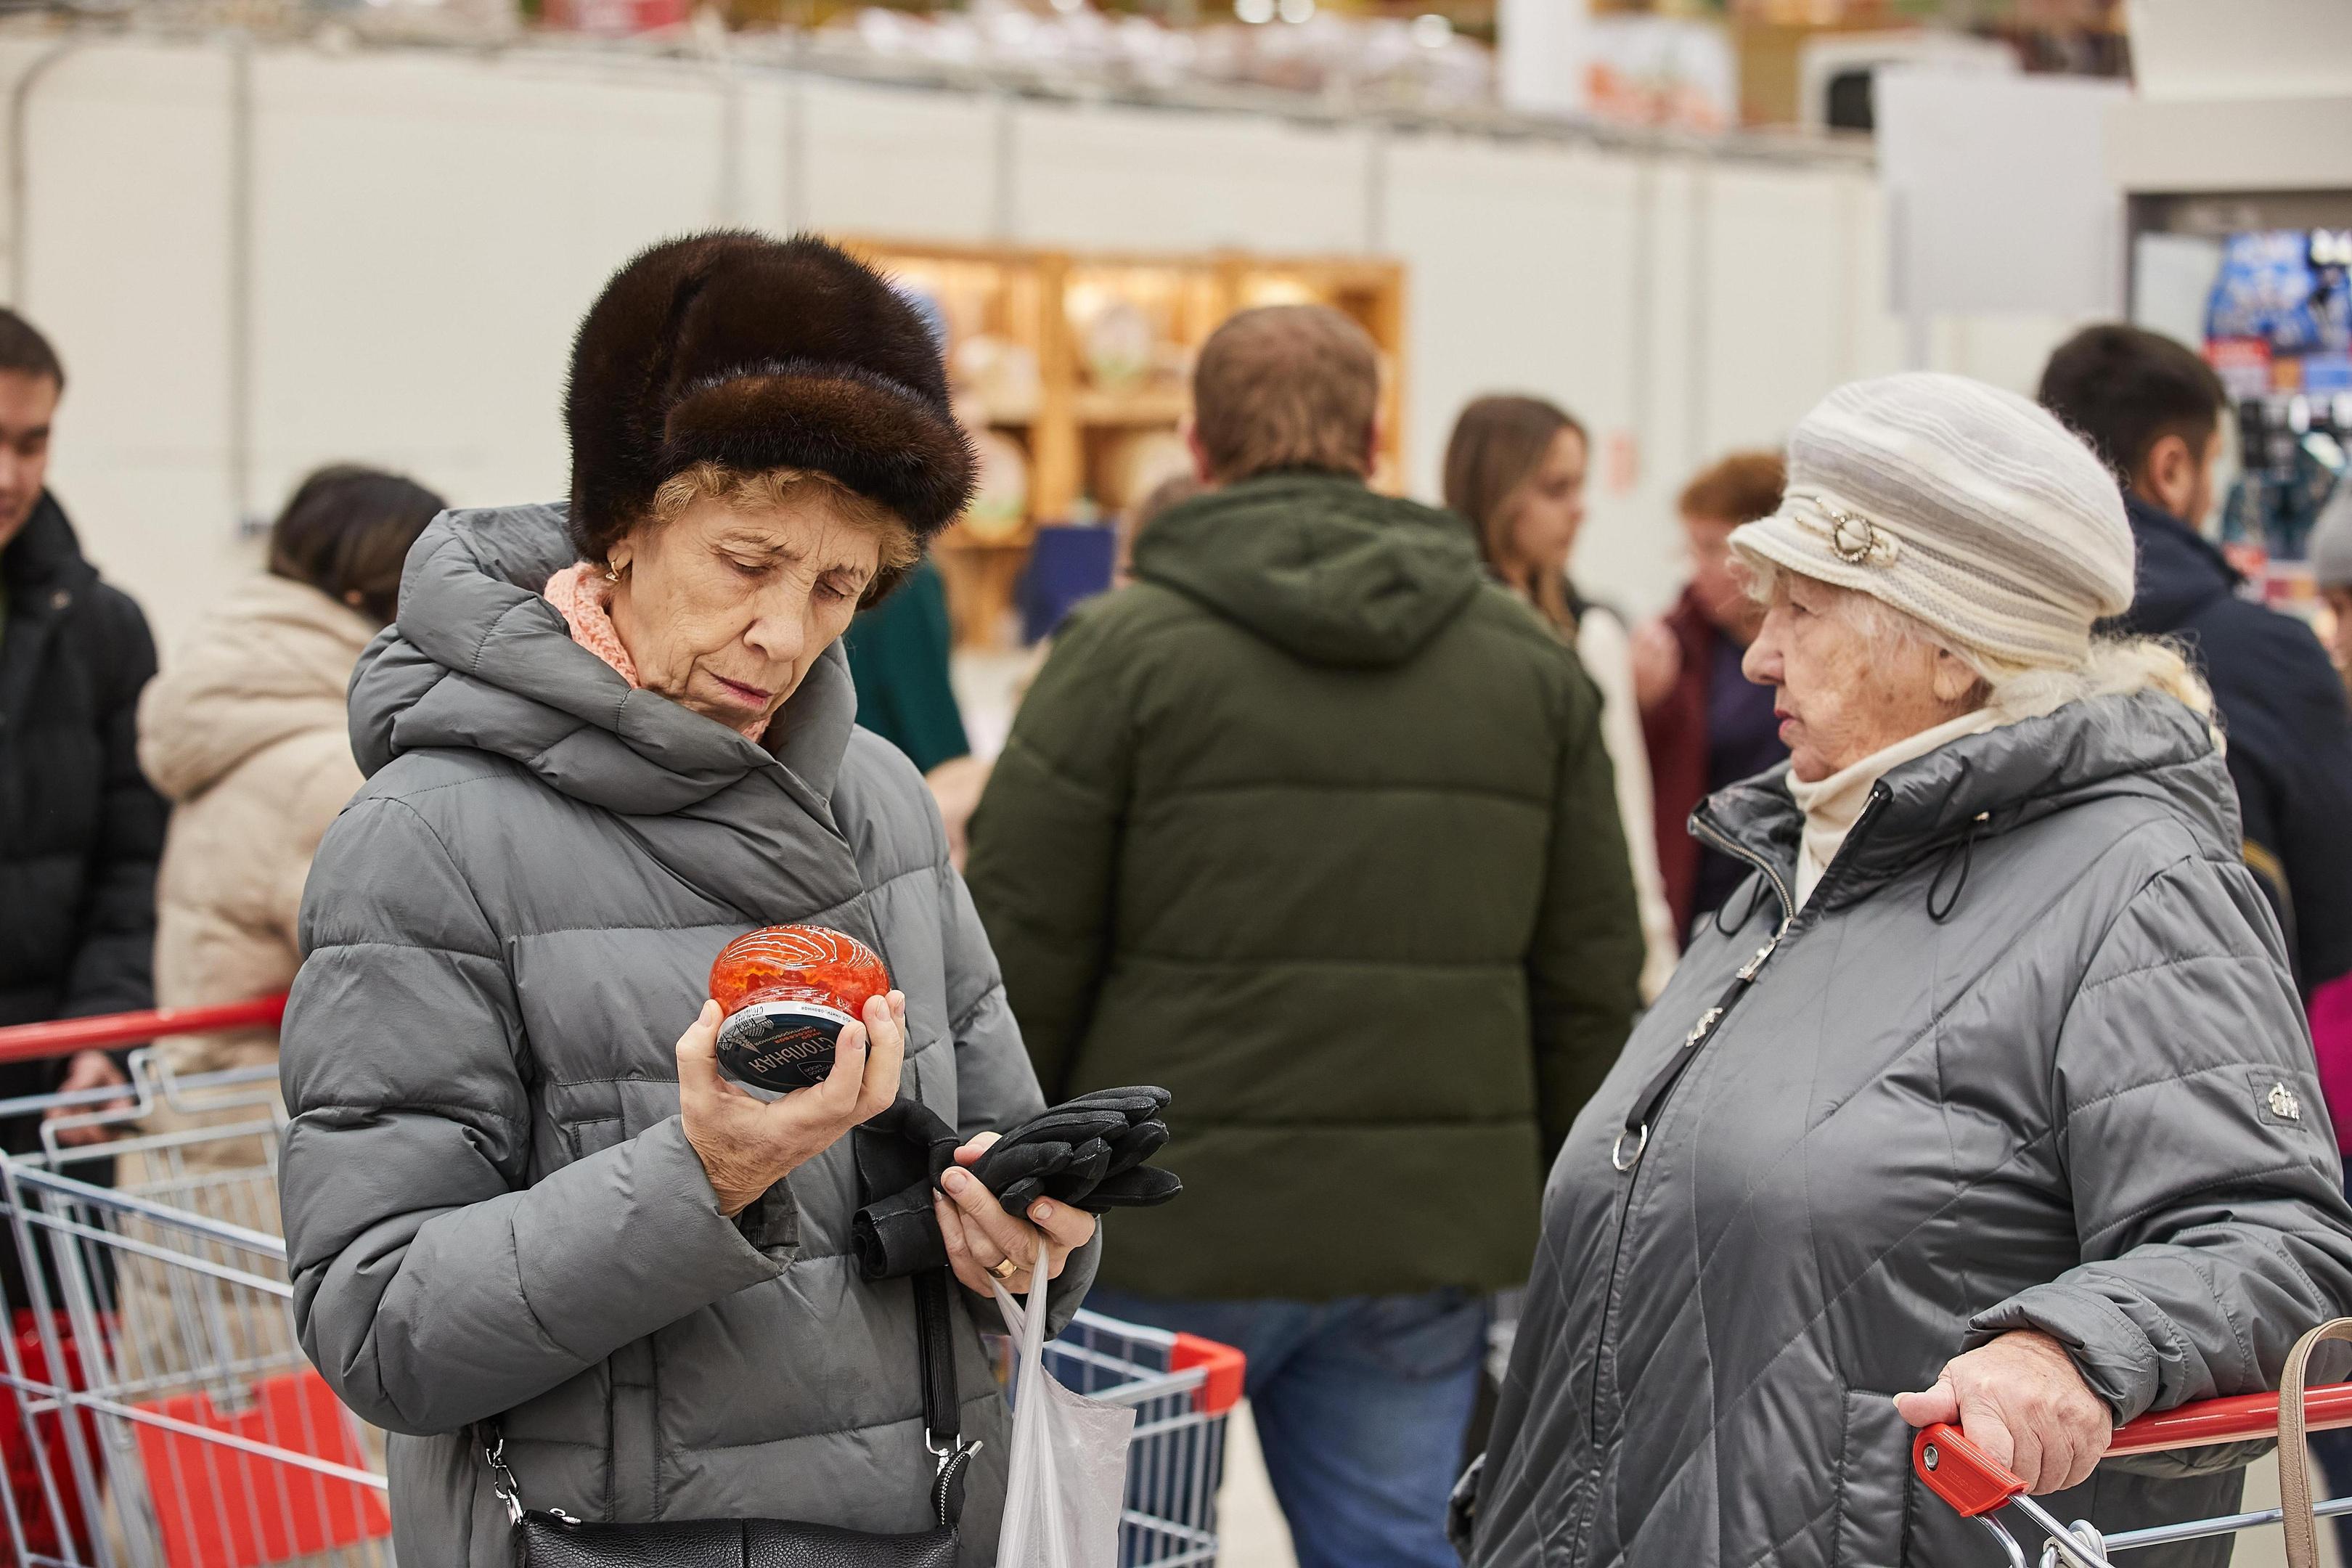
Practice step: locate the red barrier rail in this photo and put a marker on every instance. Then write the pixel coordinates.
(30, 1042)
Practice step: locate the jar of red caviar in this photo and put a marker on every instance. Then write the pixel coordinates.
(786, 993)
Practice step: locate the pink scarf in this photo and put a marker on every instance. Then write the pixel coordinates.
(584, 596)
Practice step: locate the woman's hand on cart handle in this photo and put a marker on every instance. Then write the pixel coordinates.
(748, 1145)
(2020, 1400)
(89, 1069)
(980, 1236)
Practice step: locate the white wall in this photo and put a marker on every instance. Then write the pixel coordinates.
(428, 225)
(1112, 179)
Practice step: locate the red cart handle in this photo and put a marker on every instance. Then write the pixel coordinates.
(1961, 1473)
(2233, 1420)
(30, 1042)
(1966, 1476)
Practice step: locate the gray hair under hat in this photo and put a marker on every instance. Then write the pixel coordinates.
(2331, 540)
(1967, 508)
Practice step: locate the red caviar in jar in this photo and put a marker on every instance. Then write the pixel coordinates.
(787, 992)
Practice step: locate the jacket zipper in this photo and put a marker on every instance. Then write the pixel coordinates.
(1633, 1137)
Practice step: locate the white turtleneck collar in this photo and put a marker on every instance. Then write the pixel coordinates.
(1832, 804)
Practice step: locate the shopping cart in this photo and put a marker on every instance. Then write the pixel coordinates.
(1183, 1389)
(164, 1416)
(1969, 1479)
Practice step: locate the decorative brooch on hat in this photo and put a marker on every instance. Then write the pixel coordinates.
(1857, 541)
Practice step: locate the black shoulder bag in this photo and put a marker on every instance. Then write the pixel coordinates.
(548, 1538)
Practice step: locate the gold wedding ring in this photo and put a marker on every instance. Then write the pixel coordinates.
(1006, 1269)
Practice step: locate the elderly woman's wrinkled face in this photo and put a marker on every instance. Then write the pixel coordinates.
(1843, 690)
(724, 609)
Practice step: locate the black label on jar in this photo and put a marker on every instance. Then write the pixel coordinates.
(780, 1046)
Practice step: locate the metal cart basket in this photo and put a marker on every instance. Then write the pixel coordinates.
(1183, 1388)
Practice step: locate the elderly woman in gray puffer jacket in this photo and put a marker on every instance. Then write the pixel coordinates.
(1988, 1101)
(601, 743)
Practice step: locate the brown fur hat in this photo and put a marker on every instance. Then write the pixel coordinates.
(733, 347)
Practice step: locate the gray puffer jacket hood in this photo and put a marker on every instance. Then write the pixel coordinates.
(2029, 1057)
(491, 1210)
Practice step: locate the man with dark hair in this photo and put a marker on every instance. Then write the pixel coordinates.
(80, 827)
(1313, 824)
(2152, 410)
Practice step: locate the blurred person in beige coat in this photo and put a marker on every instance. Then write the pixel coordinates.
(245, 734)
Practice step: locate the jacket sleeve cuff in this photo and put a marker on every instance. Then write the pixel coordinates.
(2113, 1352)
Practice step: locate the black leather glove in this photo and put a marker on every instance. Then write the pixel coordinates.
(901, 1156)
(1088, 1154)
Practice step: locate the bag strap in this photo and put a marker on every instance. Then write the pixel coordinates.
(2294, 1459)
(935, 1345)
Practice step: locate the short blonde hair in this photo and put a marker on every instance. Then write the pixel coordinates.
(777, 488)
(1286, 386)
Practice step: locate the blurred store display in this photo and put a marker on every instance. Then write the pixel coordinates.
(1072, 371)
(2229, 153)
(1702, 66)
(1690, 65)
(2278, 329)
(614, 18)
(1418, 61)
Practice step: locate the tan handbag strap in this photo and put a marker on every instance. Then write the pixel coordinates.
(2294, 1459)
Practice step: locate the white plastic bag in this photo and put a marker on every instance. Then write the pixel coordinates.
(1069, 1457)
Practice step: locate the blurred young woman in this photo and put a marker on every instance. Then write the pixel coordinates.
(245, 734)
(1514, 468)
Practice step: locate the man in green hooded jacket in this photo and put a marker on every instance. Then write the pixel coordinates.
(1313, 825)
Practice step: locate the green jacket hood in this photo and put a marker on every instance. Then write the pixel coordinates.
(1317, 564)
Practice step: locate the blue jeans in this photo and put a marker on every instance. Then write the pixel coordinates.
(1361, 1405)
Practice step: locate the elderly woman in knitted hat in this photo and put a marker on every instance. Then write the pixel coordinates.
(602, 739)
(1986, 1101)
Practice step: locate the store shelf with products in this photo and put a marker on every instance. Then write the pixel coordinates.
(2240, 227)
(1073, 371)
(2263, 283)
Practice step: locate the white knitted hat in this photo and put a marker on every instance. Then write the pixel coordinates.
(1962, 505)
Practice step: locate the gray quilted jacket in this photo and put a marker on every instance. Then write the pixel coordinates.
(2083, 1100)
(491, 1208)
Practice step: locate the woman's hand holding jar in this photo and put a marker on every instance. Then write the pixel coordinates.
(748, 1145)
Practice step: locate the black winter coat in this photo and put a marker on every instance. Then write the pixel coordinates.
(2290, 733)
(80, 828)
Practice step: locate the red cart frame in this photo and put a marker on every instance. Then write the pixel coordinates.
(1966, 1476)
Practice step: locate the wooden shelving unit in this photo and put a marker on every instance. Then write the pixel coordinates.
(1074, 369)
